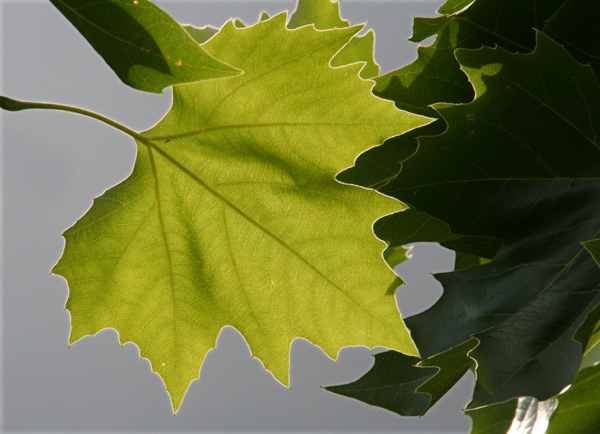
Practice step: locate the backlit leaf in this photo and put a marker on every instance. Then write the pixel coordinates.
(324, 15)
(453, 6)
(578, 409)
(232, 215)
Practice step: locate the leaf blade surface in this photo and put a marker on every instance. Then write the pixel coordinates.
(144, 46)
(232, 215)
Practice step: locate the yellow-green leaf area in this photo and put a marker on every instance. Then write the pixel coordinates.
(233, 217)
(325, 15)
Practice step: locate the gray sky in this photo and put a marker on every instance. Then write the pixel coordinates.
(53, 164)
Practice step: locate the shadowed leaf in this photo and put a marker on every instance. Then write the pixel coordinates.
(575, 25)
(519, 164)
(406, 385)
(143, 45)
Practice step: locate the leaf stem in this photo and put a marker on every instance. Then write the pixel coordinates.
(16, 105)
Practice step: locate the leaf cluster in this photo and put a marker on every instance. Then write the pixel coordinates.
(508, 179)
(253, 202)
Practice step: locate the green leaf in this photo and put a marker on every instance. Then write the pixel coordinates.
(412, 226)
(453, 6)
(464, 261)
(360, 49)
(459, 153)
(406, 385)
(520, 164)
(593, 247)
(436, 75)
(200, 34)
(578, 409)
(524, 415)
(143, 45)
(575, 25)
(589, 332)
(324, 15)
(232, 215)
(391, 384)
(493, 419)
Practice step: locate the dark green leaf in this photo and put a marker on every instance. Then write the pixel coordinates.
(593, 246)
(575, 25)
(401, 384)
(465, 261)
(145, 47)
(436, 76)
(520, 164)
(493, 419)
(391, 384)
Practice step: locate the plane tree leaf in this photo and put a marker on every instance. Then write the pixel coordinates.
(233, 217)
(145, 47)
(593, 246)
(453, 6)
(525, 415)
(360, 49)
(408, 385)
(436, 75)
(519, 163)
(200, 34)
(589, 332)
(575, 25)
(578, 410)
(493, 419)
(441, 79)
(325, 14)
